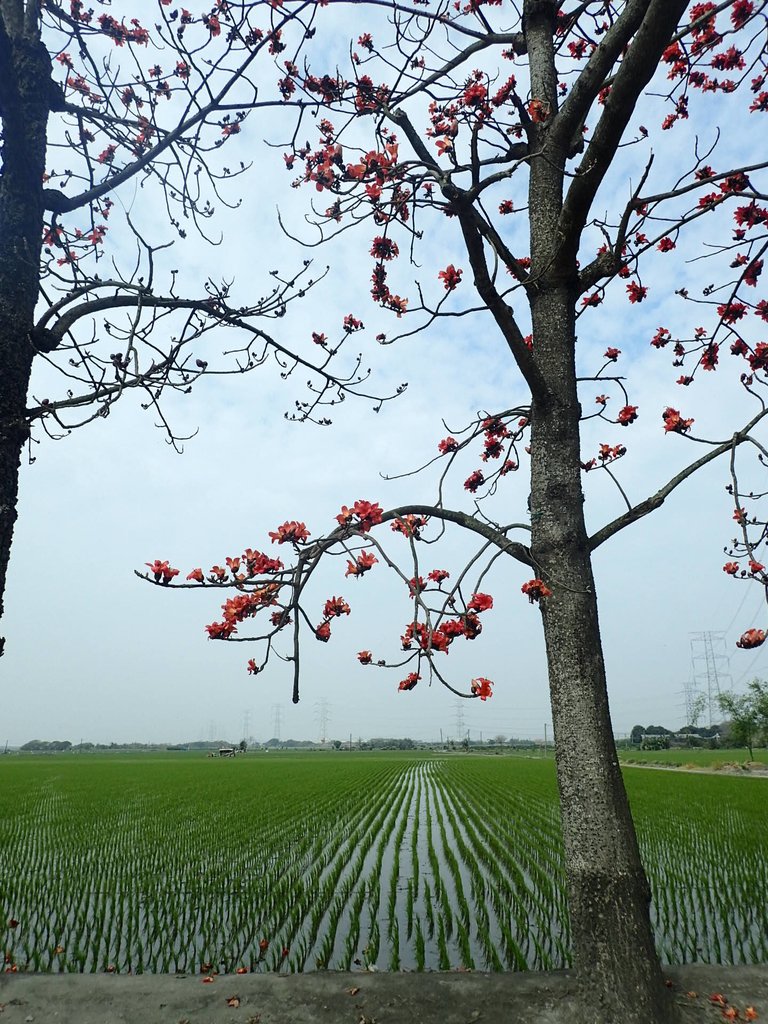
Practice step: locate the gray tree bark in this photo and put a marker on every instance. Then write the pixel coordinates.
(25, 88)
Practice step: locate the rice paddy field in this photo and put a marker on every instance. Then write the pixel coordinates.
(288, 862)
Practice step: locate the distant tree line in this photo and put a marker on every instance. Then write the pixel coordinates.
(745, 725)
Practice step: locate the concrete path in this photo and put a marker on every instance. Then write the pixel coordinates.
(341, 998)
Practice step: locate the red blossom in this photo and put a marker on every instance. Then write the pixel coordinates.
(627, 415)
(480, 602)
(290, 532)
(535, 590)
(364, 657)
(415, 585)
(474, 481)
(450, 277)
(363, 515)
(751, 638)
(752, 273)
(674, 423)
(364, 561)
(482, 687)
(731, 568)
(323, 632)
(438, 576)
(709, 357)
(665, 244)
(448, 444)
(538, 111)
(636, 292)
(334, 607)
(410, 681)
(197, 576)
(612, 354)
(409, 526)
(162, 571)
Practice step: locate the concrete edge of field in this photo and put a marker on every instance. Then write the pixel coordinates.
(349, 998)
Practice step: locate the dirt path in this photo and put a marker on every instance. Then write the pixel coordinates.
(339, 998)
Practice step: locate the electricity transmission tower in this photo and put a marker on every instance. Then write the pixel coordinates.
(277, 711)
(711, 672)
(323, 714)
(458, 710)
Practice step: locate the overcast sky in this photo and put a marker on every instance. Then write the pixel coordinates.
(95, 654)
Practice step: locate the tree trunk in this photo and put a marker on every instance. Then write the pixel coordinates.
(25, 75)
(609, 896)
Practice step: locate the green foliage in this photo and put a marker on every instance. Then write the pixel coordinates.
(747, 714)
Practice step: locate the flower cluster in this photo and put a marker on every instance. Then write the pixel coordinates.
(162, 571)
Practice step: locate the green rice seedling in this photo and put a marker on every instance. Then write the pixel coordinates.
(419, 946)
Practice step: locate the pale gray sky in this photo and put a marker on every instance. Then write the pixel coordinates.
(95, 654)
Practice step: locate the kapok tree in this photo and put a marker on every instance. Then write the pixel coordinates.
(95, 109)
(525, 125)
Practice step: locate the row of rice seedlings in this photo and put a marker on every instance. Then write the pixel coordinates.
(488, 943)
(536, 908)
(462, 918)
(380, 822)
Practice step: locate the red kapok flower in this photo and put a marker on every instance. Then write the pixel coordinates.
(450, 277)
(535, 590)
(323, 632)
(364, 657)
(363, 515)
(731, 568)
(196, 575)
(482, 688)
(674, 422)
(627, 415)
(410, 681)
(162, 571)
(334, 607)
(480, 602)
(364, 561)
(751, 638)
(612, 354)
(290, 532)
(448, 444)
